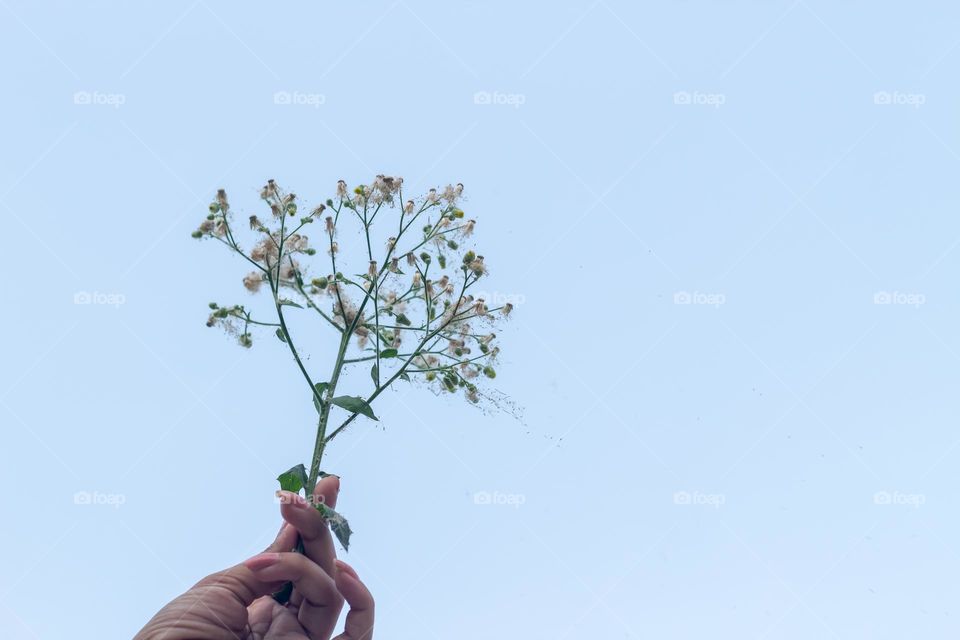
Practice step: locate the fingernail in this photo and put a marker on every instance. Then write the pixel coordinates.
(262, 561)
(343, 566)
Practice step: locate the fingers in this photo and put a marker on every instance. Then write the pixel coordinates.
(322, 600)
(314, 532)
(286, 539)
(359, 625)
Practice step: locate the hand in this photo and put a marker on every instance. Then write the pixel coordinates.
(236, 603)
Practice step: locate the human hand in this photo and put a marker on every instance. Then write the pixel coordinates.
(236, 603)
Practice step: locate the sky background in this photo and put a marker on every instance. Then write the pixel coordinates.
(731, 229)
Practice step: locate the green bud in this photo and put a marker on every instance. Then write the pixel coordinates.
(489, 372)
(211, 217)
(329, 202)
(339, 276)
(320, 283)
(484, 348)
(221, 313)
(306, 220)
(212, 305)
(469, 257)
(442, 259)
(292, 208)
(196, 234)
(311, 251)
(450, 384)
(453, 244)
(425, 257)
(427, 229)
(431, 376)
(214, 207)
(457, 213)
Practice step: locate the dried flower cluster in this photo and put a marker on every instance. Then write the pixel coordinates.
(400, 301)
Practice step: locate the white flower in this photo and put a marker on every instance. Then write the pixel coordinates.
(252, 281)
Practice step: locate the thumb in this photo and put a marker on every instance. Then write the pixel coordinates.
(240, 582)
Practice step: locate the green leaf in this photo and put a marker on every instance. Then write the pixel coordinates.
(404, 376)
(388, 353)
(375, 374)
(293, 479)
(282, 337)
(320, 388)
(354, 404)
(338, 524)
(290, 303)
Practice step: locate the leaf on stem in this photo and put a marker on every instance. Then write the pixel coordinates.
(282, 337)
(294, 479)
(338, 524)
(388, 353)
(375, 374)
(290, 303)
(354, 404)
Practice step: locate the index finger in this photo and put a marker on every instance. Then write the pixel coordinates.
(313, 528)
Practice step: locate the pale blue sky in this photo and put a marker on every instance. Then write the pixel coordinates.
(772, 460)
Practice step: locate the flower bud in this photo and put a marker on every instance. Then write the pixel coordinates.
(214, 207)
(320, 283)
(469, 257)
(489, 372)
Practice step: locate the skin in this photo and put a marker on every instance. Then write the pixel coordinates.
(236, 604)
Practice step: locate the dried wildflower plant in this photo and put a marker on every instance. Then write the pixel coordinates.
(401, 305)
